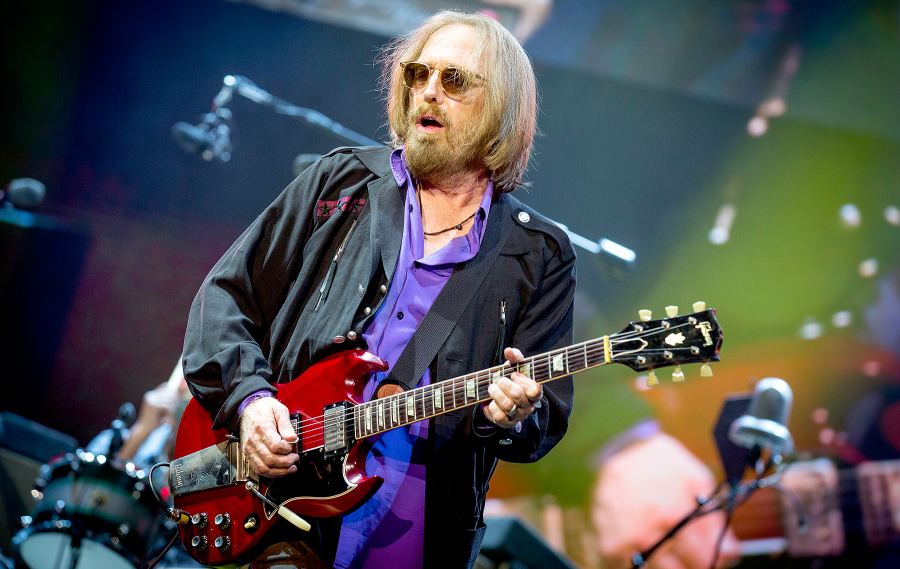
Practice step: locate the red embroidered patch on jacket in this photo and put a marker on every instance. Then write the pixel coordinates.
(327, 208)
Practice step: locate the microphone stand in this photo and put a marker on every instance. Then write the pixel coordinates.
(237, 84)
(727, 495)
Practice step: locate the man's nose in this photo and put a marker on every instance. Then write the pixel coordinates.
(433, 91)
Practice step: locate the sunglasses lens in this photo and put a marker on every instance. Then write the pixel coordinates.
(453, 81)
(415, 75)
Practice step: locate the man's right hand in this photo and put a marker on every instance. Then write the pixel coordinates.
(267, 438)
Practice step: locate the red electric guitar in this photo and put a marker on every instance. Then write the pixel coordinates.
(231, 509)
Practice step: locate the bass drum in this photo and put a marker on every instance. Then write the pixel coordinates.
(90, 514)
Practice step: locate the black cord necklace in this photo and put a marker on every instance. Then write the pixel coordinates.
(457, 227)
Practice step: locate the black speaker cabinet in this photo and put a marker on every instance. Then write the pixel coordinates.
(24, 447)
(511, 543)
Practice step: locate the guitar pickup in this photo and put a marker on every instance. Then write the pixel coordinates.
(338, 434)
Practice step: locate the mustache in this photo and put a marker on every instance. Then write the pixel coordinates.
(431, 110)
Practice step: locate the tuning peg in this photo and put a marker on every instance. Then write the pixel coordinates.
(706, 370)
(645, 314)
(677, 375)
(699, 306)
(652, 380)
(671, 311)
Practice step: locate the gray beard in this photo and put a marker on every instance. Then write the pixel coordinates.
(442, 156)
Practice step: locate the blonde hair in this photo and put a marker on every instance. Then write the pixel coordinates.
(508, 122)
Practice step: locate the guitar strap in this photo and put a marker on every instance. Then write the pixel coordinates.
(452, 301)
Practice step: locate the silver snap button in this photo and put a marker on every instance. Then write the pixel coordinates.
(338, 339)
(505, 442)
(367, 311)
(383, 289)
(524, 217)
(351, 335)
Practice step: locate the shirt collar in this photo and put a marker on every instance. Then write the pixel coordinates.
(402, 176)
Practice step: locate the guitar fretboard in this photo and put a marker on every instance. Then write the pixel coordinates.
(394, 411)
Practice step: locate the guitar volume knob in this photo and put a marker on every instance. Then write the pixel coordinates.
(199, 542)
(199, 520)
(222, 521)
(222, 543)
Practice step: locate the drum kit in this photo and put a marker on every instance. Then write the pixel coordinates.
(91, 512)
(97, 511)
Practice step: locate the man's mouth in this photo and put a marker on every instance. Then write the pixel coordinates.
(429, 123)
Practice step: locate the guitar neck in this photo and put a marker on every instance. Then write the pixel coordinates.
(393, 411)
(642, 346)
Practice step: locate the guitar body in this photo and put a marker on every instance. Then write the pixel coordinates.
(325, 484)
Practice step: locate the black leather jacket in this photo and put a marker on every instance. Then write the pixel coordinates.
(255, 322)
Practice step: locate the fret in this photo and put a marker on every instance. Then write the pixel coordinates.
(584, 347)
(496, 375)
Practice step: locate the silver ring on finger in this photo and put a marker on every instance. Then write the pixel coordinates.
(512, 412)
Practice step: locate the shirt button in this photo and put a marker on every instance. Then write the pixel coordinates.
(338, 339)
(367, 311)
(400, 316)
(524, 217)
(351, 335)
(383, 289)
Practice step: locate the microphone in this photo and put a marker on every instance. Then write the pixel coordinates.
(764, 425)
(211, 138)
(23, 193)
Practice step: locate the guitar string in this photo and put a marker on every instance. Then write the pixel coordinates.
(576, 349)
(421, 398)
(316, 425)
(421, 395)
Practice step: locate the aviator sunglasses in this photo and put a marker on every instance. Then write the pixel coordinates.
(454, 80)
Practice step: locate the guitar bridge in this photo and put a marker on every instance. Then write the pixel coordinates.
(338, 434)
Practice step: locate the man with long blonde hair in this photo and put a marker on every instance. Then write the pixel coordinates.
(355, 252)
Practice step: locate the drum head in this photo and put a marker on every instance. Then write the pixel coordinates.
(53, 550)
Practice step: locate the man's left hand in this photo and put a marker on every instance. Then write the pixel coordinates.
(514, 397)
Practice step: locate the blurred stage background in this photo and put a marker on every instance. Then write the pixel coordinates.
(747, 150)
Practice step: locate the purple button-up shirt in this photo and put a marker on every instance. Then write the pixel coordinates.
(388, 530)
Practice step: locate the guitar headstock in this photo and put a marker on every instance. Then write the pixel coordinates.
(649, 344)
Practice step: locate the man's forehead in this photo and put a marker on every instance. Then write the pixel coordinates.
(454, 44)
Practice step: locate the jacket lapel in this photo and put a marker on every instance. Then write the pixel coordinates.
(387, 222)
